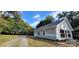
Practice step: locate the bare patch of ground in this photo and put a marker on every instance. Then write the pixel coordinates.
(77, 43)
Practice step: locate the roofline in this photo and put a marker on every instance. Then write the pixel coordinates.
(56, 25)
(60, 22)
(45, 25)
(44, 28)
(48, 24)
(70, 25)
(67, 22)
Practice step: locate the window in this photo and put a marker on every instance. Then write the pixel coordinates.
(66, 33)
(43, 32)
(62, 33)
(69, 35)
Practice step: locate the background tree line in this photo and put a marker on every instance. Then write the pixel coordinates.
(12, 23)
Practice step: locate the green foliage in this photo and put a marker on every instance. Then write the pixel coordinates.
(47, 20)
(14, 25)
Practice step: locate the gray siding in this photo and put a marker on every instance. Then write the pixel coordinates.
(50, 33)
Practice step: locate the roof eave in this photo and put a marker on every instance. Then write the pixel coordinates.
(44, 28)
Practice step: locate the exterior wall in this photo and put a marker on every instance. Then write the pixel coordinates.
(64, 26)
(50, 33)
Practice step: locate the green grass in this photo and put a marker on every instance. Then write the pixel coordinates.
(5, 38)
(37, 42)
(17, 43)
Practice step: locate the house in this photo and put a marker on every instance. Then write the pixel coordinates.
(57, 30)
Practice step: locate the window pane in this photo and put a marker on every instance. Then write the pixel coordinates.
(61, 31)
(69, 35)
(62, 35)
(43, 32)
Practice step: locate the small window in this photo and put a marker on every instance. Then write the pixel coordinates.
(66, 33)
(43, 32)
(69, 35)
(62, 33)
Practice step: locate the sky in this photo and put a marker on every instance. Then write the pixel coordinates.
(34, 17)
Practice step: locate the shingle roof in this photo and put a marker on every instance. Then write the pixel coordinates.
(56, 22)
(53, 24)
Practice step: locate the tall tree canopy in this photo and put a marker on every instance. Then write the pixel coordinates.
(47, 20)
(12, 23)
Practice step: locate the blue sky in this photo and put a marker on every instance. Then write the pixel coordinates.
(34, 17)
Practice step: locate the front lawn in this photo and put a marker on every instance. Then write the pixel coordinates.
(5, 38)
(38, 42)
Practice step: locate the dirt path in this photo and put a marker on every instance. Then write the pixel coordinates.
(19, 41)
(23, 41)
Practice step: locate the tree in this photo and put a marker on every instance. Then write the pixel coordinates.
(15, 25)
(47, 20)
(62, 15)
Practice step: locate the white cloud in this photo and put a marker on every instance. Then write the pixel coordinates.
(36, 19)
(35, 23)
(36, 16)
